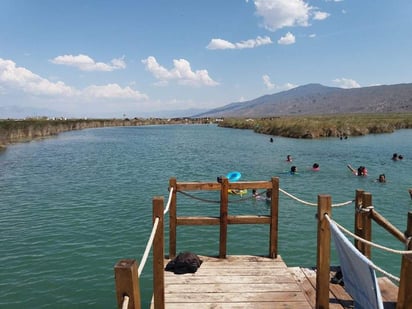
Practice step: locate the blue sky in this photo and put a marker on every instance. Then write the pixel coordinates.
(105, 58)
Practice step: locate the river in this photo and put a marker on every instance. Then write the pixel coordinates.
(73, 205)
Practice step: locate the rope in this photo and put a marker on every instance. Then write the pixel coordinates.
(125, 304)
(373, 245)
(252, 197)
(369, 242)
(168, 201)
(198, 198)
(148, 246)
(313, 204)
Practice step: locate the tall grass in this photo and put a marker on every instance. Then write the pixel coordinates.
(324, 125)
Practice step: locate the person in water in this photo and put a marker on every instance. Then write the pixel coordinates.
(395, 157)
(410, 192)
(362, 171)
(382, 178)
(315, 167)
(293, 170)
(288, 158)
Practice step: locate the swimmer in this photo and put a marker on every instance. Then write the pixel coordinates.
(315, 167)
(362, 171)
(288, 158)
(293, 170)
(382, 178)
(395, 157)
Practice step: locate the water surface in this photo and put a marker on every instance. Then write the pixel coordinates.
(71, 206)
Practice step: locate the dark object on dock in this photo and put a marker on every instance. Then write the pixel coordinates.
(338, 278)
(183, 263)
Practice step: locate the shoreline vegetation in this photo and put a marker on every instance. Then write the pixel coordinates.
(319, 126)
(17, 131)
(309, 127)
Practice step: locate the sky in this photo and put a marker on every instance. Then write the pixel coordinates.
(142, 58)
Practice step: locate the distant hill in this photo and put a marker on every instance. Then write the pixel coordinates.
(315, 99)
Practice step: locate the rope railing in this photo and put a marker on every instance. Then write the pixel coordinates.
(373, 245)
(125, 303)
(152, 235)
(169, 201)
(259, 194)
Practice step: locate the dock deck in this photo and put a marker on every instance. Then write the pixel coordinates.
(255, 282)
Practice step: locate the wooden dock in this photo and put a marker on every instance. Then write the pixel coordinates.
(254, 282)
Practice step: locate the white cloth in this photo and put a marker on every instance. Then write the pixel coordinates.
(358, 274)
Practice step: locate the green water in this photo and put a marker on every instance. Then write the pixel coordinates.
(71, 206)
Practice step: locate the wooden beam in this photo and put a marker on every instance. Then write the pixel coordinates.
(323, 252)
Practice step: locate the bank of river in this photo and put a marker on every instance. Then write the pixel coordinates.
(14, 131)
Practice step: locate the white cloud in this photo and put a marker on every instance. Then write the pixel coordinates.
(181, 72)
(13, 77)
(313, 35)
(272, 86)
(113, 91)
(20, 79)
(346, 83)
(320, 15)
(277, 14)
(287, 39)
(85, 63)
(252, 43)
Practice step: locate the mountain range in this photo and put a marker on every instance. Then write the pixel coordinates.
(316, 99)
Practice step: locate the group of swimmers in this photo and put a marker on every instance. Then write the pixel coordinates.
(294, 169)
(396, 157)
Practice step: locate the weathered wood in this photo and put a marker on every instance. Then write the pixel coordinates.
(172, 218)
(358, 219)
(127, 283)
(405, 283)
(199, 186)
(274, 214)
(366, 225)
(379, 219)
(389, 292)
(235, 282)
(323, 252)
(224, 199)
(158, 254)
(195, 186)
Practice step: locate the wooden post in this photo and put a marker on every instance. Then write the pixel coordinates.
(158, 255)
(405, 283)
(274, 217)
(224, 199)
(127, 283)
(366, 224)
(172, 219)
(358, 219)
(323, 252)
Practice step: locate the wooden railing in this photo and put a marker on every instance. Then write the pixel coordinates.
(127, 277)
(364, 214)
(224, 218)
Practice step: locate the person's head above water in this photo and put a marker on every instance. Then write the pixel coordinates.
(315, 167)
(362, 171)
(293, 169)
(289, 158)
(382, 178)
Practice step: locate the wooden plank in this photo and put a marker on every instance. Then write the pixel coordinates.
(241, 305)
(311, 277)
(235, 282)
(228, 297)
(389, 292)
(254, 287)
(184, 279)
